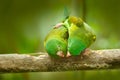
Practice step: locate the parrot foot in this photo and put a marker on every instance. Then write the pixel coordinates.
(58, 25)
(86, 52)
(68, 54)
(60, 54)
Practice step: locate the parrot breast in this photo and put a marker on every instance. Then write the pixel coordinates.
(55, 45)
(75, 46)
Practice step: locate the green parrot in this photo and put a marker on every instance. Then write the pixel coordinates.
(55, 42)
(81, 36)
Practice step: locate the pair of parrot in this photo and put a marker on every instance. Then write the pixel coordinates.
(69, 38)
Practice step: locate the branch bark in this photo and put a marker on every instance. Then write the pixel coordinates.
(92, 59)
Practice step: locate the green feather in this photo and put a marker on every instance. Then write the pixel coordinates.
(75, 46)
(56, 40)
(66, 13)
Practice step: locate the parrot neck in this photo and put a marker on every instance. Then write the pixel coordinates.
(66, 23)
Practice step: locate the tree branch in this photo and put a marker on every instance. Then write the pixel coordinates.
(93, 59)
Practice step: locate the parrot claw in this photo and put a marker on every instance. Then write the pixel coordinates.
(68, 54)
(86, 52)
(60, 54)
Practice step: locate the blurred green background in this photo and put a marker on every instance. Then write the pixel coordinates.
(25, 23)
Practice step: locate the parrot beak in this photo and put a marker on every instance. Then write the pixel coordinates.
(58, 25)
(68, 54)
(60, 54)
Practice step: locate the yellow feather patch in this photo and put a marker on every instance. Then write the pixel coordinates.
(75, 20)
(73, 28)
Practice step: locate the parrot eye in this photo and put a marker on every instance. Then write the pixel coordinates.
(78, 24)
(94, 37)
(65, 36)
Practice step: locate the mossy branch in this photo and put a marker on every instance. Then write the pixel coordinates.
(93, 59)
